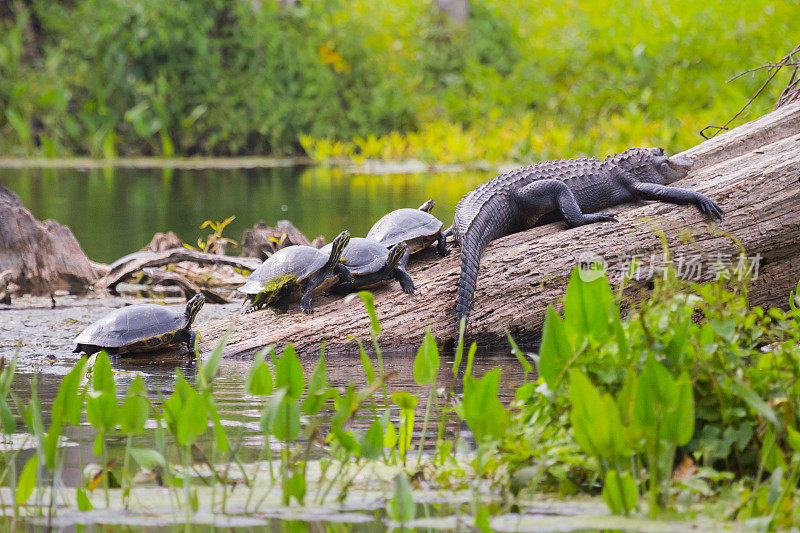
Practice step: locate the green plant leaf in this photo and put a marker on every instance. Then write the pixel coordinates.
(366, 363)
(135, 408)
(220, 436)
(318, 383)
(259, 379)
(482, 410)
(270, 410)
(369, 304)
(555, 351)
(755, 402)
(68, 404)
(6, 416)
(521, 357)
(185, 412)
(793, 438)
(84, 503)
(677, 343)
(473, 348)
(684, 412)
(426, 363)
(403, 508)
(101, 399)
(27, 480)
(289, 373)
(297, 487)
(207, 370)
(656, 393)
(620, 492)
(590, 421)
(147, 458)
(286, 422)
(404, 400)
(771, 455)
(372, 441)
(587, 305)
(390, 436)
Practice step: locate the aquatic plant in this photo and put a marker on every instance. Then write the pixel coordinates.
(689, 398)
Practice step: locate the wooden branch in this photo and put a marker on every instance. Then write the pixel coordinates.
(751, 171)
(176, 255)
(188, 287)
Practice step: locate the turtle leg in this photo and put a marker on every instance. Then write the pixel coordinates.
(305, 301)
(191, 342)
(406, 283)
(344, 274)
(441, 245)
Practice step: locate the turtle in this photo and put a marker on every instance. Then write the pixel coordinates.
(372, 264)
(417, 227)
(141, 328)
(295, 272)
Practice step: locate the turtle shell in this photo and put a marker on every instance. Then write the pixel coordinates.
(362, 256)
(404, 225)
(297, 261)
(131, 324)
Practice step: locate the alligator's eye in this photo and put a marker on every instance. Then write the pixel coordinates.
(660, 151)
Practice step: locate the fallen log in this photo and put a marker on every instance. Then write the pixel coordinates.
(125, 269)
(751, 171)
(41, 257)
(189, 288)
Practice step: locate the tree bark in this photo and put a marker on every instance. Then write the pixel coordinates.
(40, 257)
(189, 288)
(126, 269)
(751, 171)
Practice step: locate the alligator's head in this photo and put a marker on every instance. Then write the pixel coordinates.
(653, 165)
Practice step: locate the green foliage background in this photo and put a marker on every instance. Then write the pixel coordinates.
(377, 78)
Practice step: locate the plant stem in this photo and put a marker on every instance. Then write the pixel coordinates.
(425, 425)
(654, 481)
(186, 489)
(126, 472)
(106, 472)
(380, 368)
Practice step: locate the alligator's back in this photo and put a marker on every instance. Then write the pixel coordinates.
(583, 175)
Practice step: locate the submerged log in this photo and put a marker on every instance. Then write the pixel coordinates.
(126, 269)
(41, 257)
(751, 171)
(189, 288)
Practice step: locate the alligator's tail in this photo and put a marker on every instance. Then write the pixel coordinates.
(487, 226)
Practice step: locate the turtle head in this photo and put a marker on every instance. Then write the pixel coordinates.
(338, 245)
(396, 254)
(428, 206)
(653, 165)
(193, 307)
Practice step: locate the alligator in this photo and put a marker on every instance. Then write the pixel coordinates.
(572, 190)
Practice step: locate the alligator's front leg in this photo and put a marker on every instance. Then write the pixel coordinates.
(676, 195)
(541, 196)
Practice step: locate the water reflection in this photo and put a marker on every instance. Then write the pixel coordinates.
(113, 212)
(241, 412)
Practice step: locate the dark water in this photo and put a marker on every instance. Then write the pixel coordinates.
(113, 212)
